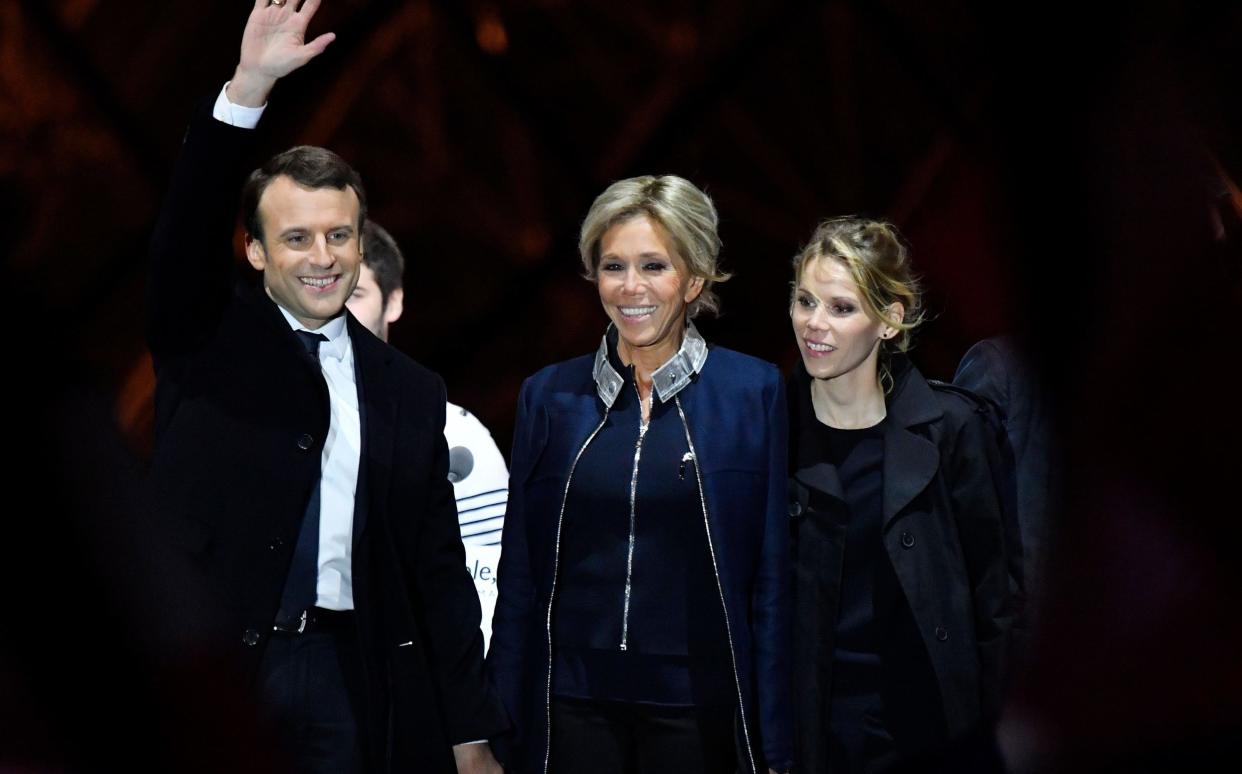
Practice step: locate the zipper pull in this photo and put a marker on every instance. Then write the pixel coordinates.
(681, 469)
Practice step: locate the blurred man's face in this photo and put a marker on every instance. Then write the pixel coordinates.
(367, 303)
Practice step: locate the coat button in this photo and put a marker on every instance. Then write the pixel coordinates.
(907, 540)
(795, 508)
(942, 633)
(305, 441)
(251, 637)
(277, 544)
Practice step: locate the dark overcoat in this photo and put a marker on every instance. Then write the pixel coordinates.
(944, 533)
(241, 418)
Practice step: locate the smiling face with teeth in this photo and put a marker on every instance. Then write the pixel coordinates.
(645, 288)
(836, 336)
(309, 253)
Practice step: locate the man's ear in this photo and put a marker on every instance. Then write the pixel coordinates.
(255, 253)
(394, 306)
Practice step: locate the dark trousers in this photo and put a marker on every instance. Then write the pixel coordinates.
(309, 685)
(603, 737)
(858, 741)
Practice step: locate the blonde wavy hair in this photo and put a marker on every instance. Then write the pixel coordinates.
(878, 261)
(685, 213)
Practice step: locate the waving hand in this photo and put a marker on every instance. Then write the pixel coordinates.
(273, 45)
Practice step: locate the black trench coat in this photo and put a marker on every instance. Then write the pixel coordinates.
(943, 532)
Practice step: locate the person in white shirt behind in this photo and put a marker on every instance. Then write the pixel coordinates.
(476, 466)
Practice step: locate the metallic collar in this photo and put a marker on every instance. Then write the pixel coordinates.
(668, 380)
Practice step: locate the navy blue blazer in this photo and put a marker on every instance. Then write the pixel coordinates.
(736, 417)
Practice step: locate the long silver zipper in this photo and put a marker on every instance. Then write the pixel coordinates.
(629, 557)
(556, 564)
(737, 680)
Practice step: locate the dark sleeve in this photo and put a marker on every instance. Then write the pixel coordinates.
(446, 594)
(975, 469)
(190, 269)
(515, 603)
(987, 370)
(983, 372)
(771, 595)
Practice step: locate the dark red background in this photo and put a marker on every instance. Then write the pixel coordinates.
(1063, 171)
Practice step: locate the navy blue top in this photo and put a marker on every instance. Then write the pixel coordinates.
(735, 408)
(675, 645)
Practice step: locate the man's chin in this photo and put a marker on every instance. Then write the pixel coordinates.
(317, 314)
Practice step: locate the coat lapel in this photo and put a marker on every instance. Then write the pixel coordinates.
(910, 462)
(377, 409)
(910, 458)
(823, 477)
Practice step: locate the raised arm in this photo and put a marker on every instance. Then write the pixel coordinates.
(273, 45)
(190, 268)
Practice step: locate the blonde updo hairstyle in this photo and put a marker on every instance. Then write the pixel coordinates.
(878, 260)
(683, 211)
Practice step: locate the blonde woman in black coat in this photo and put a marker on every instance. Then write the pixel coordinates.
(902, 605)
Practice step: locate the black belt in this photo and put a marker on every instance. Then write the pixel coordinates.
(315, 619)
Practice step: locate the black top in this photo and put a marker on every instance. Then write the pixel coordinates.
(858, 456)
(881, 691)
(671, 624)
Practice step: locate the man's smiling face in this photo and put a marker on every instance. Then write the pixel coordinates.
(311, 248)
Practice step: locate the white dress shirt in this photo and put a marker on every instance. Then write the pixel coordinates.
(338, 465)
(235, 115)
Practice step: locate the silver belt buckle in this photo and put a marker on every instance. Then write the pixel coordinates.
(302, 621)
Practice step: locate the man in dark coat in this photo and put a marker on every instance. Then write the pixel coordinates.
(996, 369)
(301, 469)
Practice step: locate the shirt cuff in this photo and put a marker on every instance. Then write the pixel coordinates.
(476, 741)
(235, 115)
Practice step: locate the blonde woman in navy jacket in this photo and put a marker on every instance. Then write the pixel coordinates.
(642, 622)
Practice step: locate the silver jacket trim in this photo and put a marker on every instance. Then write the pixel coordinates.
(668, 380)
(629, 556)
(688, 361)
(556, 568)
(711, 547)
